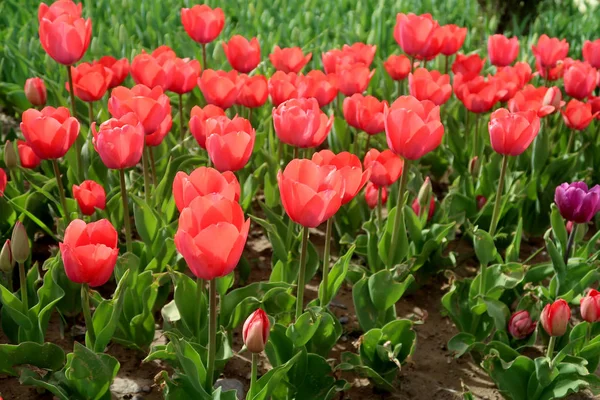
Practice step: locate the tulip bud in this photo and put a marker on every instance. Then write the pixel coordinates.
(569, 227)
(555, 317)
(6, 260)
(19, 243)
(520, 325)
(474, 166)
(35, 91)
(425, 192)
(590, 306)
(10, 155)
(553, 98)
(256, 331)
(481, 201)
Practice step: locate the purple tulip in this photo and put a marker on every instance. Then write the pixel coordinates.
(576, 203)
(520, 325)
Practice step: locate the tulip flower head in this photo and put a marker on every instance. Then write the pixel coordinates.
(578, 115)
(453, 37)
(119, 68)
(301, 123)
(19, 243)
(386, 167)
(289, 59)
(520, 325)
(204, 181)
(372, 194)
(198, 118)
(27, 157)
(65, 37)
(590, 306)
(417, 34)
(310, 193)
(349, 166)
(502, 51)
(7, 262)
(468, 66)
(549, 51)
(512, 133)
(364, 113)
(230, 142)
(430, 85)
(591, 53)
(154, 70)
(89, 195)
(49, 132)
(255, 332)
(219, 88)
(253, 91)
(479, 94)
(3, 181)
(324, 88)
(354, 78)
(202, 23)
(119, 141)
(357, 53)
(580, 80)
(555, 318)
(184, 75)
(576, 202)
(59, 8)
(397, 67)
(90, 81)
(283, 87)
(211, 236)
(416, 207)
(243, 55)
(35, 91)
(532, 98)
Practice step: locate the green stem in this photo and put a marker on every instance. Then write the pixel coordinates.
(550, 351)
(326, 250)
(447, 62)
(570, 243)
(476, 138)
(571, 142)
(74, 115)
(91, 112)
(496, 213)
(253, 376)
(181, 126)
(204, 60)
(152, 165)
(199, 291)
(23, 282)
(296, 152)
(126, 220)
(61, 190)
(588, 333)
(87, 314)
(367, 145)
(302, 274)
(482, 279)
(212, 334)
(379, 206)
(281, 155)
(146, 176)
(399, 212)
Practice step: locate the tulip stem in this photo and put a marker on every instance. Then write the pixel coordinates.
(570, 243)
(379, 206)
(204, 61)
(61, 190)
(476, 139)
(74, 115)
(212, 333)
(199, 290)
(91, 112)
(253, 376)
(302, 274)
(550, 351)
(447, 62)
(152, 165)
(126, 219)
(281, 154)
(87, 314)
(146, 176)
(181, 127)
(367, 145)
(588, 333)
(399, 212)
(326, 250)
(571, 141)
(23, 282)
(296, 151)
(496, 212)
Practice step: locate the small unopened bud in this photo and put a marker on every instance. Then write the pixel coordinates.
(481, 201)
(425, 192)
(590, 306)
(256, 331)
(19, 243)
(10, 155)
(555, 318)
(553, 98)
(6, 259)
(35, 91)
(474, 166)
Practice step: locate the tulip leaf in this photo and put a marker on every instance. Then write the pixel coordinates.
(146, 221)
(107, 314)
(46, 356)
(559, 229)
(15, 308)
(401, 246)
(269, 381)
(326, 335)
(303, 329)
(30, 378)
(336, 276)
(246, 298)
(385, 291)
(191, 364)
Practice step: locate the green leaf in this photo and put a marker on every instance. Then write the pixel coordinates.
(303, 329)
(326, 336)
(146, 221)
(191, 363)
(461, 343)
(485, 249)
(46, 356)
(385, 291)
(336, 276)
(543, 372)
(246, 299)
(15, 308)
(269, 381)
(401, 246)
(559, 229)
(107, 314)
(30, 378)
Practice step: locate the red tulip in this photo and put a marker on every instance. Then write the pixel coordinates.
(554, 73)
(553, 98)
(580, 80)
(65, 38)
(386, 167)
(416, 207)
(202, 23)
(198, 117)
(35, 91)
(90, 81)
(512, 79)
(230, 142)
(357, 53)
(89, 195)
(364, 113)
(119, 68)
(243, 55)
(412, 127)
(322, 87)
(204, 181)
(219, 87)
(590, 306)
(453, 37)
(151, 106)
(478, 95)
(50, 132)
(397, 67)
(595, 103)
(481, 201)
(531, 98)
(283, 87)
(416, 34)
(253, 91)
(28, 158)
(512, 133)
(59, 8)
(468, 66)
(255, 332)
(354, 79)
(332, 58)
(520, 325)
(3, 181)
(502, 51)
(289, 59)
(372, 195)
(549, 51)
(301, 123)
(184, 75)
(430, 85)
(119, 141)
(89, 251)
(310, 193)
(360, 52)
(591, 52)
(349, 166)
(555, 318)
(154, 69)
(577, 115)
(211, 236)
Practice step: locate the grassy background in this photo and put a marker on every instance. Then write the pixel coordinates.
(123, 27)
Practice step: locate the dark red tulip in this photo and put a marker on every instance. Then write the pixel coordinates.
(3, 181)
(520, 325)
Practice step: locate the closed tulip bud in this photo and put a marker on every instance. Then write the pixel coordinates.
(590, 306)
(256, 331)
(7, 261)
(372, 194)
(19, 243)
(27, 157)
(425, 191)
(10, 155)
(553, 97)
(481, 201)
(35, 91)
(555, 317)
(474, 165)
(520, 325)
(416, 207)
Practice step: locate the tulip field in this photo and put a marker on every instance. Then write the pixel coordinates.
(299, 200)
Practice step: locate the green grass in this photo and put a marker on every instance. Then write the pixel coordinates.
(123, 27)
